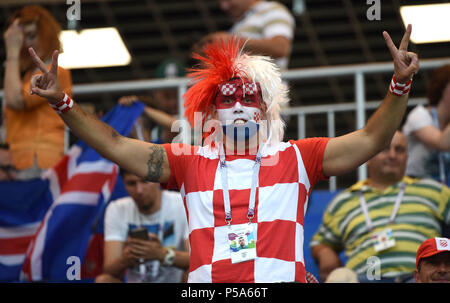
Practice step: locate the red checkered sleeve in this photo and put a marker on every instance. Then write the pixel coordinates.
(179, 156)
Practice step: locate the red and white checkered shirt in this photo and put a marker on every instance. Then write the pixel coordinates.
(281, 200)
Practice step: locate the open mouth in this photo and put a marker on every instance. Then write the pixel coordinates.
(240, 121)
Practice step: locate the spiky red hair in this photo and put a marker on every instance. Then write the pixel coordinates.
(216, 66)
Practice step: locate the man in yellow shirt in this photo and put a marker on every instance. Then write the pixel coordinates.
(381, 222)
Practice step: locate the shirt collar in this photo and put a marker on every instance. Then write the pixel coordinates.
(364, 186)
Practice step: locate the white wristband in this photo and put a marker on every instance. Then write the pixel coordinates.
(64, 105)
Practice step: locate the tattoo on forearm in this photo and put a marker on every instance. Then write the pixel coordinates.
(114, 133)
(155, 163)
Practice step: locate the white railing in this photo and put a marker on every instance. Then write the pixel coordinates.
(360, 105)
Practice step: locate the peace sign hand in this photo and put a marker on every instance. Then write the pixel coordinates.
(46, 85)
(406, 64)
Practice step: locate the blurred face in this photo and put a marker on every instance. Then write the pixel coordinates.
(30, 37)
(145, 194)
(390, 163)
(434, 269)
(236, 8)
(168, 98)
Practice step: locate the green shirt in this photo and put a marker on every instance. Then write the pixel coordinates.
(424, 208)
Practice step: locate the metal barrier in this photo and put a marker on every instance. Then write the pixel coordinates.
(358, 71)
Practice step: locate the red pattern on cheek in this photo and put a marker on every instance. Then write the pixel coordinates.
(256, 117)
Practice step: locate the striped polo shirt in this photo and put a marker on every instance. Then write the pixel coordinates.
(265, 20)
(424, 208)
(288, 172)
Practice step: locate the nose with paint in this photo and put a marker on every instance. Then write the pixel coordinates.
(238, 106)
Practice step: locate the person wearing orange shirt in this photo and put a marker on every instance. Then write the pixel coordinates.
(34, 131)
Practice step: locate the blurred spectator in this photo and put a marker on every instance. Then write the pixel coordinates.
(433, 261)
(34, 131)
(7, 169)
(387, 216)
(268, 25)
(164, 255)
(153, 125)
(428, 131)
(161, 106)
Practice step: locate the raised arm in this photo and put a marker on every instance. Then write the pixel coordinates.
(344, 154)
(158, 116)
(13, 83)
(144, 159)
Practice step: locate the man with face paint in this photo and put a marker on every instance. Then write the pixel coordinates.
(261, 191)
(238, 105)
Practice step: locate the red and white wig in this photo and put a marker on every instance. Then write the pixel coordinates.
(224, 60)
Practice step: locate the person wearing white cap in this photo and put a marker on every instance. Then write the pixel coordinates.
(433, 261)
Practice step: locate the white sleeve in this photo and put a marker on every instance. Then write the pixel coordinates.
(279, 22)
(418, 118)
(115, 227)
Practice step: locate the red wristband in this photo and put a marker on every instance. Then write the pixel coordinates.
(64, 105)
(400, 89)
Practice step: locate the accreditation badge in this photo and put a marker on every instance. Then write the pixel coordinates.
(242, 242)
(383, 240)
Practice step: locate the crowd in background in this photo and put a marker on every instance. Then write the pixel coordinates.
(413, 172)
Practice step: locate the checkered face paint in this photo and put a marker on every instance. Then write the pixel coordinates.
(238, 102)
(247, 93)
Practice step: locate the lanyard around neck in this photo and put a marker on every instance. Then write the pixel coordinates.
(226, 193)
(365, 208)
(440, 154)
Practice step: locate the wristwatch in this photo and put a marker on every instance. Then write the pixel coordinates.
(169, 258)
